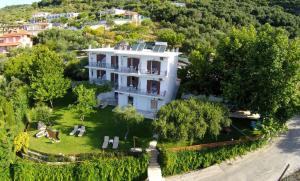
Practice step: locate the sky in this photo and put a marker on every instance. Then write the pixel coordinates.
(4, 3)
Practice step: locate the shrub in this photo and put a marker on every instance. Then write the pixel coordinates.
(115, 168)
(184, 161)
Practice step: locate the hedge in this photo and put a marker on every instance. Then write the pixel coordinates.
(183, 161)
(116, 168)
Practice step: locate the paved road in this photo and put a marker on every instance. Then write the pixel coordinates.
(266, 164)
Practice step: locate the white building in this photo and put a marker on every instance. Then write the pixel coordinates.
(49, 17)
(144, 75)
(36, 28)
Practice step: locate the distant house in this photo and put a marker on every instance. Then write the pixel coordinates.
(144, 75)
(178, 4)
(35, 28)
(122, 16)
(41, 16)
(15, 38)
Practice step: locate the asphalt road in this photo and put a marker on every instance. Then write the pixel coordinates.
(266, 164)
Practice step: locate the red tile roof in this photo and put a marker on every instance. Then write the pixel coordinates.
(15, 34)
(9, 44)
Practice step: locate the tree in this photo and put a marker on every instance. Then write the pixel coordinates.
(86, 101)
(47, 75)
(261, 71)
(174, 39)
(9, 127)
(41, 112)
(191, 119)
(48, 87)
(128, 116)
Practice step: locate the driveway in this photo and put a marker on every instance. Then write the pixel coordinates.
(266, 164)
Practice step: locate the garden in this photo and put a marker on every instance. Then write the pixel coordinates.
(101, 123)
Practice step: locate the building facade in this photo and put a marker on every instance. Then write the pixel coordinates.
(144, 75)
(12, 39)
(36, 28)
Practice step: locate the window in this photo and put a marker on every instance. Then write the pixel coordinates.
(161, 58)
(153, 104)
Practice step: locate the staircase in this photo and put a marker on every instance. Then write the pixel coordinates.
(154, 171)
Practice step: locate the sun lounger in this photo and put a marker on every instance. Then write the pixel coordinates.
(41, 134)
(81, 131)
(74, 130)
(105, 142)
(116, 142)
(103, 105)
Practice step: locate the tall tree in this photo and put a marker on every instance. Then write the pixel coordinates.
(261, 70)
(86, 100)
(128, 116)
(47, 76)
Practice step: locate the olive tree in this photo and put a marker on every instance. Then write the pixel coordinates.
(191, 119)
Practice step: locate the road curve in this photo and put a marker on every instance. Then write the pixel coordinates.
(266, 164)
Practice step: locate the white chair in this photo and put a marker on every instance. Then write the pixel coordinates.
(74, 130)
(105, 143)
(116, 142)
(81, 131)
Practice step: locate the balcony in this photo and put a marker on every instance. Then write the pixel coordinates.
(138, 71)
(100, 81)
(134, 90)
(158, 73)
(102, 65)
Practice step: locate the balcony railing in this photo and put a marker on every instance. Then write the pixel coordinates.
(149, 72)
(141, 92)
(127, 69)
(100, 81)
(140, 71)
(102, 65)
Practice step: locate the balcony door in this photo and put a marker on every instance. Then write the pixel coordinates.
(100, 58)
(153, 87)
(114, 61)
(101, 74)
(132, 81)
(133, 63)
(153, 67)
(114, 78)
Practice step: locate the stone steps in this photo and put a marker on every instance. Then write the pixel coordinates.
(154, 171)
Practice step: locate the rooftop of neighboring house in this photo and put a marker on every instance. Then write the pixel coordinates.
(140, 48)
(9, 44)
(15, 33)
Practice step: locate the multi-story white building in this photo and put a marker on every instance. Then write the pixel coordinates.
(144, 75)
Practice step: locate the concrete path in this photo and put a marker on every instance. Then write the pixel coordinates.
(266, 164)
(154, 171)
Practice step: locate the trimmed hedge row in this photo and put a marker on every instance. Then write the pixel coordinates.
(183, 161)
(116, 168)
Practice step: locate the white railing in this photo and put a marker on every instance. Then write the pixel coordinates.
(102, 65)
(141, 92)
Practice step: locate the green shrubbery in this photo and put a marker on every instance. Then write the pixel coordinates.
(183, 161)
(117, 168)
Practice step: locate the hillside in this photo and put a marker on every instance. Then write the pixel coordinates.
(201, 22)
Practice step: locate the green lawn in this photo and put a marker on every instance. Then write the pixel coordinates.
(98, 125)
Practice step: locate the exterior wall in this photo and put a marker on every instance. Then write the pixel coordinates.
(140, 101)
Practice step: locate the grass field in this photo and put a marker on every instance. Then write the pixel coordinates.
(98, 125)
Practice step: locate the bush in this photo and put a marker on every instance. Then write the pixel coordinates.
(115, 168)
(183, 161)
